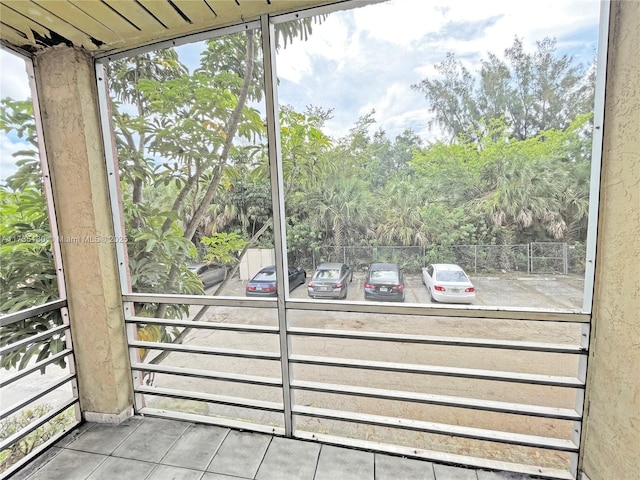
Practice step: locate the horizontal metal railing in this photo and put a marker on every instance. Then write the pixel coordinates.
(31, 312)
(32, 339)
(210, 398)
(209, 375)
(438, 428)
(430, 310)
(35, 367)
(577, 350)
(28, 400)
(431, 340)
(469, 373)
(440, 400)
(443, 457)
(38, 397)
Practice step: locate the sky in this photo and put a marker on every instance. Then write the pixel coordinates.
(367, 58)
(14, 83)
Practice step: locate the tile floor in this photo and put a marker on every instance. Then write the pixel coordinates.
(161, 449)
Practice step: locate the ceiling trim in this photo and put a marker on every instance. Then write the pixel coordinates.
(101, 27)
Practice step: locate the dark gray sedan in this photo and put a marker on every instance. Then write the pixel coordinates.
(330, 280)
(384, 282)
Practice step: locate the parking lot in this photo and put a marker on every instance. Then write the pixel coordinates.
(499, 290)
(545, 292)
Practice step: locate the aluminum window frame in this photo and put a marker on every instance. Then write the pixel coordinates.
(60, 304)
(283, 303)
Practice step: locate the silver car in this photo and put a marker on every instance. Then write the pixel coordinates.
(210, 274)
(448, 283)
(330, 280)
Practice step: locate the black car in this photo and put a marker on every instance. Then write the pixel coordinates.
(384, 282)
(263, 284)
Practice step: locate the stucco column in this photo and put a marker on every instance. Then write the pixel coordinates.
(611, 441)
(65, 80)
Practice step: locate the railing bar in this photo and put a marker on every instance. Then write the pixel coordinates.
(32, 339)
(218, 399)
(12, 318)
(439, 428)
(217, 421)
(496, 375)
(16, 437)
(444, 311)
(39, 450)
(435, 456)
(237, 327)
(201, 300)
(449, 341)
(36, 366)
(9, 411)
(210, 375)
(223, 352)
(442, 400)
(428, 310)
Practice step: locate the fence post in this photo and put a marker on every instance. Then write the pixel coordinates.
(529, 258)
(475, 259)
(565, 258)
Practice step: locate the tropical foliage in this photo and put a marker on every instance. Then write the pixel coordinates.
(27, 270)
(195, 173)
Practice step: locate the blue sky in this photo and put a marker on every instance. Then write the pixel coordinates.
(367, 58)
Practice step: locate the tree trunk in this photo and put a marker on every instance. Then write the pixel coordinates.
(231, 130)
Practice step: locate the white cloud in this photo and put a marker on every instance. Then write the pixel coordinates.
(368, 58)
(390, 21)
(14, 81)
(377, 52)
(529, 21)
(332, 40)
(8, 147)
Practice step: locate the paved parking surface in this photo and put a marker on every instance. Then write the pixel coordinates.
(503, 290)
(545, 292)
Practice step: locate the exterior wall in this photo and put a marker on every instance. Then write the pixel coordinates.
(611, 448)
(254, 260)
(66, 85)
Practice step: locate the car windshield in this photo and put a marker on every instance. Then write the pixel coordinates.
(384, 275)
(451, 276)
(267, 276)
(327, 275)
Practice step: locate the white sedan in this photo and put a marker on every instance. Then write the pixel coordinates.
(448, 283)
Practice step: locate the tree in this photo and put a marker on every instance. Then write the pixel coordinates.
(401, 222)
(529, 190)
(342, 207)
(531, 92)
(529, 184)
(27, 270)
(132, 138)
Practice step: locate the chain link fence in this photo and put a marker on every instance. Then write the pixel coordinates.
(535, 257)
